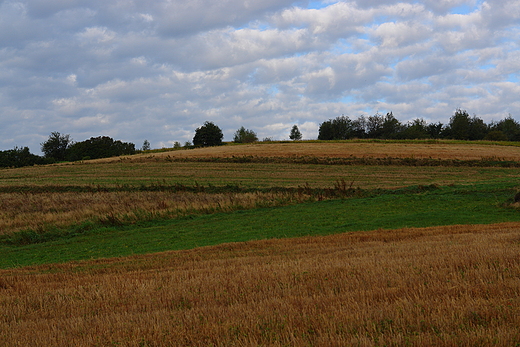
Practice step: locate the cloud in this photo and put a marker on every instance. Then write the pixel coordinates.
(156, 70)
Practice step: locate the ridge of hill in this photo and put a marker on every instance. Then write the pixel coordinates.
(345, 149)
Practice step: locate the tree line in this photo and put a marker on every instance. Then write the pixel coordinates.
(461, 126)
(60, 147)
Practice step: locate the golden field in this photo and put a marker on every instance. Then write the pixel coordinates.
(443, 286)
(439, 286)
(381, 149)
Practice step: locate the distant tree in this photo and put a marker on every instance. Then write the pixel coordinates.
(244, 135)
(267, 139)
(187, 144)
(146, 146)
(208, 135)
(435, 130)
(56, 146)
(295, 134)
(391, 127)
(99, 147)
(326, 131)
(496, 135)
(416, 129)
(464, 127)
(358, 128)
(339, 128)
(374, 126)
(177, 145)
(383, 127)
(509, 127)
(19, 157)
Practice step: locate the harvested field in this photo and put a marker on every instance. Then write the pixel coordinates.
(41, 197)
(363, 289)
(440, 150)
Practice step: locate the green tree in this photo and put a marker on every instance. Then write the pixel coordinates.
(56, 146)
(374, 126)
(496, 135)
(435, 130)
(464, 127)
(19, 157)
(146, 146)
(244, 135)
(339, 128)
(391, 127)
(383, 127)
(295, 134)
(99, 147)
(509, 127)
(416, 129)
(208, 135)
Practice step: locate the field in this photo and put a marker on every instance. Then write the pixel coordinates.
(322, 244)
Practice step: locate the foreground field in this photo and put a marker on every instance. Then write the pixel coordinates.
(443, 286)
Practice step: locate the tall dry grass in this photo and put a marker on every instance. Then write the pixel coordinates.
(444, 286)
(20, 211)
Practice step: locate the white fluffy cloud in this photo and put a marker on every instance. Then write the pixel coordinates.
(156, 70)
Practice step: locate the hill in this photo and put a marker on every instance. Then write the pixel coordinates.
(325, 244)
(461, 150)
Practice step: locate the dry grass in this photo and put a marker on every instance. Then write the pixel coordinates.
(244, 174)
(471, 151)
(445, 286)
(20, 211)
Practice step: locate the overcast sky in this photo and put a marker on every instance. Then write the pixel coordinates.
(156, 70)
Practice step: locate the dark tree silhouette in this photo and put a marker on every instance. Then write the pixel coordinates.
(208, 135)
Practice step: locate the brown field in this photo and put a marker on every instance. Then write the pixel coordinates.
(23, 208)
(441, 150)
(443, 286)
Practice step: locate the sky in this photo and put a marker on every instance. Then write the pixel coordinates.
(140, 70)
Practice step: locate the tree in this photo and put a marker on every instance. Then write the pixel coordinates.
(435, 130)
(295, 135)
(56, 146)
(208, 135)
(416, 129)
(19, 157)
(509, 127)
(146, 146)
(464, 127)
(99, 147)
(244, 135)
(339, 128)
(374, 126)
(391, 127)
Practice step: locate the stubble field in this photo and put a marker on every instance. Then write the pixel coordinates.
(436, 286)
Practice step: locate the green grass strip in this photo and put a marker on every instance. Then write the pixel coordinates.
(479, 204)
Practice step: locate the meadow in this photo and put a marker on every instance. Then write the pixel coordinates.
(319, 244)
